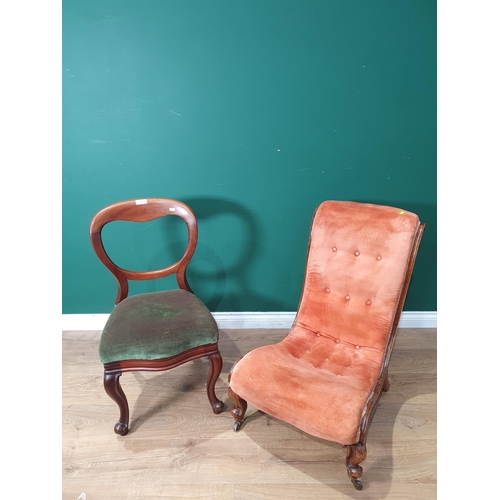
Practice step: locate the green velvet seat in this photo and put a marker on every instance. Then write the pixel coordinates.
(153, 331)
(156, 325)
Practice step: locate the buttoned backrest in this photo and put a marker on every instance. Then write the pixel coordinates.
(358, 258)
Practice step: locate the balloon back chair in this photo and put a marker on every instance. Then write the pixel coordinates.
(327, 374)
(153, 331)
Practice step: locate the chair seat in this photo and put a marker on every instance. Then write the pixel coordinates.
(137, 330)
(321, 388)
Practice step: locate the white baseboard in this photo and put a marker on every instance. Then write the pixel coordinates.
(245, 320)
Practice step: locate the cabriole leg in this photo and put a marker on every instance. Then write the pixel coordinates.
(213, 375)
(238, 412)
(115, 392)
(356, 453)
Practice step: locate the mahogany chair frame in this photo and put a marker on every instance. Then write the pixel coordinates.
(143, 211)
(356, 452)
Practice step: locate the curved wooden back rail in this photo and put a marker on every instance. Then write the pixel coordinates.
(144, 210)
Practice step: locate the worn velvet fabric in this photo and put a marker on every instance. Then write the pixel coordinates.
(319, 377)
(156, 325)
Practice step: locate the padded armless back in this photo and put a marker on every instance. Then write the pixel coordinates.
(358, 257)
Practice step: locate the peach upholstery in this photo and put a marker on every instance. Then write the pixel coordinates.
(320, 376)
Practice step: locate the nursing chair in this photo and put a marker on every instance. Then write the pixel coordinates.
(159, 330)
(326, 376)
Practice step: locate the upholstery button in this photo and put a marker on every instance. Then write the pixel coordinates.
(334, 249)
(356, 253)
(357, 347)
(379, 257)
(318, 335)
(337, 341)
(327, 290)
(347, 297)
(368, 302)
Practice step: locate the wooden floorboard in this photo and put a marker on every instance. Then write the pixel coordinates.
(177, 448)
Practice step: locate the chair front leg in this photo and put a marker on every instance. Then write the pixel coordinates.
(213, 375)
(115, 392)
(356, 453)
(239, 410)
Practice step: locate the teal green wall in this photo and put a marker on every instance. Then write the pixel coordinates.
(252, 113)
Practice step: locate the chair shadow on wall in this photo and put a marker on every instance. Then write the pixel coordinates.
(237, 272)
(212, 279)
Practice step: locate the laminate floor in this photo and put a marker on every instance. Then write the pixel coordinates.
(177, 448)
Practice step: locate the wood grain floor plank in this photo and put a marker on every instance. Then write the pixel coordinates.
(177, 447)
